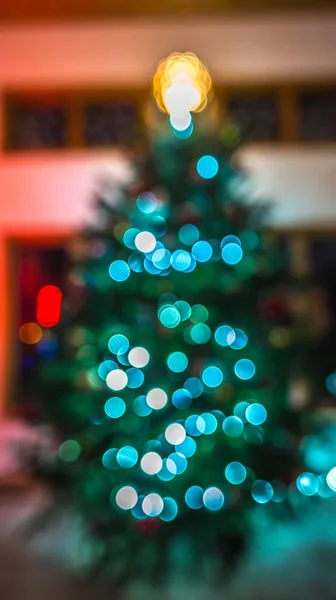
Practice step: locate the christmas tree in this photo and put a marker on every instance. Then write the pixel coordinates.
(177, 351)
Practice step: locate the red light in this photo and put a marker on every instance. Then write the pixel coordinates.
(49, 303)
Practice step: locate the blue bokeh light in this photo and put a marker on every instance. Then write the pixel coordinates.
(118, 342)
(230, 239)
(187, 448)
(181, 260)
(114, 407)
(169, 316)
(210, 423)
(170, 509)
(240, 340)
(212, 376)
(135, 378)
(331, 383)
(157, 226)
(188, 234)
(146, 202)
(235, 473)
(127, 457)
(225, 335)
(109, 459)
(194, 386)
(233, 426)
(262, 491)
(244, 369)
(136, 262)
(177, 362)
(137, 510)
(168, 470)
(202, 251)
(129, 237)
(194, 425)
(181, 399)
(184, 309)
(119, 271)
(207, 166)
(106, 367)
(256, 414)
(308, 484)
(141, 407)
(232, 254)
(200, 333)
(180, 462)
(213, 498)
(161, 258)
(240, 410)
(194, 497)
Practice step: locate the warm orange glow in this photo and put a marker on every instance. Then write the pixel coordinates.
(30, 333)
(181, 84)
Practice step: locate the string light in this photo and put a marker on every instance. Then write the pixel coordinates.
(152, 505)
(194, 497)
(244, 369)
(30, 333)
(127, 457)
(262, 491)
(118, 343)
(138, 357)
(212, 376)
(151, 463)
(181, 399)
(175, 434)
(145, 241)
(170, 509)
(213, 498)
(156, 398)
(126, 497)
(141, 407)
(119, 271)
(235, 473)
(188, 234)
(177, 362)
(233, 426)
(117, 380)
(256, 413)
(115, 407)
(207, 167)
(308, 484)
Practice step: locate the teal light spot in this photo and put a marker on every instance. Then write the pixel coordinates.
(115, 407)
(207, 166)
(194, 497)
(118, 343)
(188, 234)
(119, 271)
(235, 473)
(212, 376)
(200, 333)
(244, 369)
(213, 499)
(232, 254)
(127, 457)
(177, 362)
(233, 426)
(262, 491)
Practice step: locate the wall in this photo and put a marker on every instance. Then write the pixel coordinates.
(51, 192)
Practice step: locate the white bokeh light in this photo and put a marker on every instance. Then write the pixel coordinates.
(181, 122)
(156, 398)
(145, 241)
(117, 379)
(175, 434)
(138, 357)
(126, 498)
(151, 463)
(152, 505)
(181, 98)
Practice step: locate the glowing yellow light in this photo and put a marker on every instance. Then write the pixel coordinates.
(181, 84)
(30, 333)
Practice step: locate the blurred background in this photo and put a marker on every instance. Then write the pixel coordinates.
(75, 79)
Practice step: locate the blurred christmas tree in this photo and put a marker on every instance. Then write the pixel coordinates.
(178, 351)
